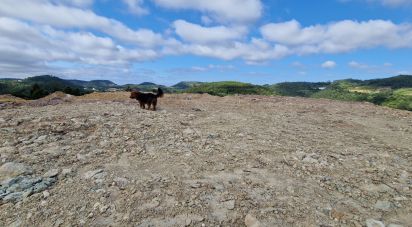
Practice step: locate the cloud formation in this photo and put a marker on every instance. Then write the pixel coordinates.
(338, 37)
(234, 11)
(24, 45)
(38, 34)
(135, 7)
(63, 16)
(328, 65)
(390, 3)
(197, 34)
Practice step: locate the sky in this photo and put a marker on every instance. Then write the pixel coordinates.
(168, 41)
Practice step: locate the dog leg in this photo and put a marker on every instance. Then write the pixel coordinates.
(154, 105)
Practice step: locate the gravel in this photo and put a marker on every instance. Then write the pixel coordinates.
(100, 160)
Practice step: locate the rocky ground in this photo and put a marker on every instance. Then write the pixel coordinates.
(100, 160)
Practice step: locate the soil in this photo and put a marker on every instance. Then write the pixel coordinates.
(200, 160)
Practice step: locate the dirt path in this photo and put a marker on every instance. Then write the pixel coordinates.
(205, 161)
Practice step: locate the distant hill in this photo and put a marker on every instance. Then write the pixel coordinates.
(97, 84)
(402, 81)
(186, 85)
(394, 92)
(40, 86)
(147, 87)
(301, 89)
(229, 88)
(147, 84)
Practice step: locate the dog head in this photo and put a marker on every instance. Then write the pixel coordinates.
(134, 94)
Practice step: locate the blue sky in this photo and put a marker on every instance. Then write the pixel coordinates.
(167, 41)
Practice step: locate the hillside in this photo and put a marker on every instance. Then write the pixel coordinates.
(392, 92)
(40, 86)
(298, 89)
(94, 84)
(402, 81)
(184, 85)
(201, 160)
(229, 88)
(147, 87)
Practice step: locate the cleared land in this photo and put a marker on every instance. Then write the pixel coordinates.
(100, 160)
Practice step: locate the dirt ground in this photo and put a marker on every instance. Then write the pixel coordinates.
(200, 160)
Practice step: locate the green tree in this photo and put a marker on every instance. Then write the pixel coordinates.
(68, 90)
(37, 92)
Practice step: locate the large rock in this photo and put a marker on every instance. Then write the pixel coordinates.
(13, 197)
(383, 205)
(90, 174)
(374, 223)
(251, 221)
(13, 169)
(51, 173)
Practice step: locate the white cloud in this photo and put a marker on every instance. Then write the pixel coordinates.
(389, 3)
(202, 69)
(357, 65)
(298, 65)
(198, 34)
(37, 34)
(227, 11)
(382, 68)
(78, 3)
(236, 11)
(396, 3)
(25, 46)
(135, 7)
(256, 51)
(70, 17)
(206, 20)
(328, 65)
(338, 37)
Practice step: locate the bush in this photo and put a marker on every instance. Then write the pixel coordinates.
(300, 89)
(341, 94)
(37, 92)
(229, 88)
(380, 97)
(399, 101)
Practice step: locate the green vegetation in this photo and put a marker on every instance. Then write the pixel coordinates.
(184, 85)
(147, 87)
(229, 88)
(394, 98)
(39, 86)
(400, 99)
(96, 84)
(394, 92)
(402, 81)
(301, 89)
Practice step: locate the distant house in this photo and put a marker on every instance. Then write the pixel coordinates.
(321, 88)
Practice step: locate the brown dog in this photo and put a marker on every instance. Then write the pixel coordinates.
(147, 98)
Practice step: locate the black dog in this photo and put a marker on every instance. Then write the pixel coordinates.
(147, 98)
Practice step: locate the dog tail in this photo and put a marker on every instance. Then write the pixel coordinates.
(159, 93)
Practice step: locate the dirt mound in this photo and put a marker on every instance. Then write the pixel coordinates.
(205, 161)
(10, 98)
(55, 98)
(10, 101)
